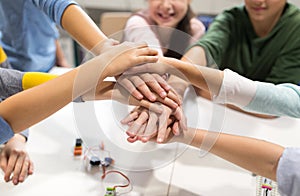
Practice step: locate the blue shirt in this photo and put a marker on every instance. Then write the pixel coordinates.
(288, 173)
(5, 131)
(29, 32)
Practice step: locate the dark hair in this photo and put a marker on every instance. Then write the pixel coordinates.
(179, 40)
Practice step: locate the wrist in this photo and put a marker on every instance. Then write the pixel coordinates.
(193, 137)
(17, 137)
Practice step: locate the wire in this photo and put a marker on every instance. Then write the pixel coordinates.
(118, 172)
(100, 147)
(92, 149)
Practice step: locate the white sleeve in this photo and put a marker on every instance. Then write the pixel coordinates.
(236, 89)
(138, 30)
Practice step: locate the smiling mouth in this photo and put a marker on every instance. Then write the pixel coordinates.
(258, 8)
(166, 17)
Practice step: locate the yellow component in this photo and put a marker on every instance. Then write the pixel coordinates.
(3, 56)
(31, 79)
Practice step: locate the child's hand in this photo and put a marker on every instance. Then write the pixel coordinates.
(15, 160)
(126, 55)
(104, 46)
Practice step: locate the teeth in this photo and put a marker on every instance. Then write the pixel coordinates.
(165, 16)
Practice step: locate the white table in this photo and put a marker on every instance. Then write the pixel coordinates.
(150, 167)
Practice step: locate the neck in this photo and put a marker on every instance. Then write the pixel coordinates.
(263, 28)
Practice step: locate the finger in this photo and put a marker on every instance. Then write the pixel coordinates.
(10, 166)
(163, 83)
(130, 117)
(175, 128)
(132, 139)
(25, 170)
(168, 131)
(18, 168)
(146, 51)
(172, 94)
(142, 69)
(168, 102)
(183, 123)
(143, 87)
(179, 115)
(151, 128)
(154, 84)
(162, 126)
(141, 131)
(151, 106)
(146, 59)
(127, 84)
(135, 127)
(31, 168)
(3, 161)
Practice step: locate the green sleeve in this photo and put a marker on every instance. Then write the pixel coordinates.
(216, 39)
(287, 65)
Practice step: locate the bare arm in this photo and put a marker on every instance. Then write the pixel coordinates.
(255, 155)
(82, 28)
(195, 55)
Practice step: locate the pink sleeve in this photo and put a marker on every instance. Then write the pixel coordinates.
(198, 30)
(138, 30)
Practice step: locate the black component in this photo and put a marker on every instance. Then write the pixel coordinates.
(78, 142)
(95, 161)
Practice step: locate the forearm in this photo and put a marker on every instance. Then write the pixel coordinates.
(199, 76)
(255, 155)
(85, 31)
(111, 91)
(103, 92)
(47, 98)
(41, 101)
(195, 55)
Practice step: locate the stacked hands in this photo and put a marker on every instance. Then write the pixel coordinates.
(144, 84)
(160, 109)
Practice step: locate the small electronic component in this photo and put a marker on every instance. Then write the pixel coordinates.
(107, 161)
(78, 147)
(266, 187)
(95, 161)
(110, 191)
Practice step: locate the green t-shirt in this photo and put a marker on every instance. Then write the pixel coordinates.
(233, 44)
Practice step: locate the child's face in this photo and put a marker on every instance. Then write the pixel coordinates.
(264, 10)
(168, 13)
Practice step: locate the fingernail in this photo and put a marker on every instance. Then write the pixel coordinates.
(175, 105)
(160, 140)
(152, 98)
(163, 94)
(140, 96)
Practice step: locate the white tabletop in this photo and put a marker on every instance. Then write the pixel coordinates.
(153, 169)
